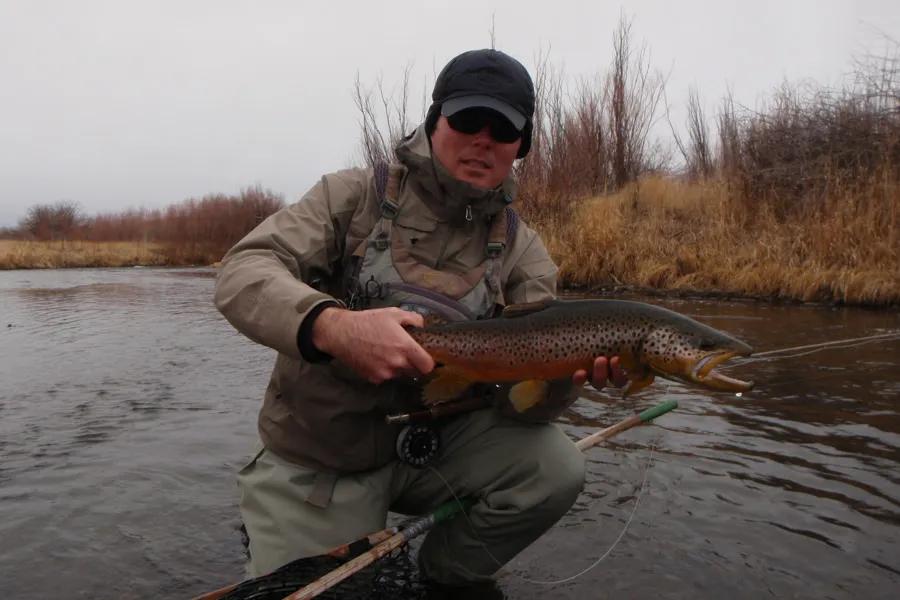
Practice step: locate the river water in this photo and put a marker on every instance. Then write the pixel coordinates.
(127, 404)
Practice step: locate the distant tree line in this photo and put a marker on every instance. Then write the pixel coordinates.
(211, 224)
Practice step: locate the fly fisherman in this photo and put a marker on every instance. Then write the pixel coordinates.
(330, 283)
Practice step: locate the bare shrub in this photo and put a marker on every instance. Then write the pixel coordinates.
(635, 91)
(192, 231)
(57, 221)
(696, 152)
(810, 140)
(595, 140)
(729, 138)
(385, 120)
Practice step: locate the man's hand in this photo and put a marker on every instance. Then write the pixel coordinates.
(603, 370)
(372, 342)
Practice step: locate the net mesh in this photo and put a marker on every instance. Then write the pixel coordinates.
(393, 577)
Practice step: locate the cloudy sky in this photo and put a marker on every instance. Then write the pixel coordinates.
(125, 103)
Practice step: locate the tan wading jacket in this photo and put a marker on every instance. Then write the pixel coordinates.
(319, 414)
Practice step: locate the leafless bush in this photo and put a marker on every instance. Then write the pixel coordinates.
(635, 91)
(877, 76)
(595, 140)
(696, 151)
(385, 120)
(810, 140)
(197, 230)
(57, 221)
(729, 150)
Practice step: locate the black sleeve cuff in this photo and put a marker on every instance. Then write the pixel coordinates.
(308, 350)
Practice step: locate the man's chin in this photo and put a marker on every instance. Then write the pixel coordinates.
(478, 178)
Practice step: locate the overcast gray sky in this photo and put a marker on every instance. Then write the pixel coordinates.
(118, 104)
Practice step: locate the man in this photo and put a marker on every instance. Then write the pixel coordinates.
(321, 280)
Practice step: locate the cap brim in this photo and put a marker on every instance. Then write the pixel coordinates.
(454, 105)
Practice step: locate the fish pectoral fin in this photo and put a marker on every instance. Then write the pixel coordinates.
(636, 385)
(446, 385)
(526, 394)
(526, 308)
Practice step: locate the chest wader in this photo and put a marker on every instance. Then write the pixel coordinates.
(384, 273)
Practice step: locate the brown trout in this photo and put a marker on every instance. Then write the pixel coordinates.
(532, 344)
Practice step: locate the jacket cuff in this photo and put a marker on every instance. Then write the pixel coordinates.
(308, 350)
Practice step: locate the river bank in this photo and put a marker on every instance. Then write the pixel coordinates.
(658, 236)
(679, 238)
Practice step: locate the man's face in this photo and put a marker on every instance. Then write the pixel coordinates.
(475, 158)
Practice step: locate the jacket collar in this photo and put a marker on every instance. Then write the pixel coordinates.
(447, 197)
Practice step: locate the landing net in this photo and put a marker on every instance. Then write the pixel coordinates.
(394, 577)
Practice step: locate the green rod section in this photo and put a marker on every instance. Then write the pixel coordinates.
(659, 409)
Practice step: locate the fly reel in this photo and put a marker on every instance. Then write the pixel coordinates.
(418, 444)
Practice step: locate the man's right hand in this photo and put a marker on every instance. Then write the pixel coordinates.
(372, 342)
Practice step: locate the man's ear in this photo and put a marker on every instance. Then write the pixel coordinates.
(431, 118)
(526, 139)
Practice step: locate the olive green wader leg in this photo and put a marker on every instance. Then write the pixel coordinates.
(291, 511)
(525, 477)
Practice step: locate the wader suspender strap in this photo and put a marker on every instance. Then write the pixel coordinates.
(352, 285)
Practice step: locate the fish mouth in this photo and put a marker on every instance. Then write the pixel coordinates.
(704, 373)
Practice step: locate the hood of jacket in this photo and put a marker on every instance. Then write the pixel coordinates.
(447, 197)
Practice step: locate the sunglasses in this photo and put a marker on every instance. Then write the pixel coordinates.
(473, 120)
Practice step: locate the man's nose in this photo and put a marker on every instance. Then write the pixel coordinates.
(484, 135)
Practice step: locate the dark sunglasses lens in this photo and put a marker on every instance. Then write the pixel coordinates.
(474, 120)
(467, 121)
(504, 132)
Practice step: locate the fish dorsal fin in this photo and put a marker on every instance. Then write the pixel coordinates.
(520, 310)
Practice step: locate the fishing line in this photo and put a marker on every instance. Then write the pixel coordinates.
(837, 344)
(584, 571)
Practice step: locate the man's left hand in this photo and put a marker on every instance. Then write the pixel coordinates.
(604, 370)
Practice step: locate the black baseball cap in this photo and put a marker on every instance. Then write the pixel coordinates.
(489, 79)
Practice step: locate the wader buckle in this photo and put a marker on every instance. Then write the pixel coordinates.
(381, 242)
(495, 249)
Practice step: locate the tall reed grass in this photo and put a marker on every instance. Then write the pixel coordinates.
(24, 254)
(665, 234)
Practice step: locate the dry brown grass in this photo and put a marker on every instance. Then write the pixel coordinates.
(667, 234)
(62, 254)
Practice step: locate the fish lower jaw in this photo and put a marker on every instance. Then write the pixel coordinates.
(704, 374)
(717, 381)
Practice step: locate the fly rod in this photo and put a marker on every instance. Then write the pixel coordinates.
(452, 508)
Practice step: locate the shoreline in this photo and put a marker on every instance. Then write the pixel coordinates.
(611, 290)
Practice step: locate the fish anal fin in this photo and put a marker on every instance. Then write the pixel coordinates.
(526, 308)
(636, 385)
(447, 384)
(526, 394)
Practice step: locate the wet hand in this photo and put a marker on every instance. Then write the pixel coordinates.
(604, 370)
(372, 342)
